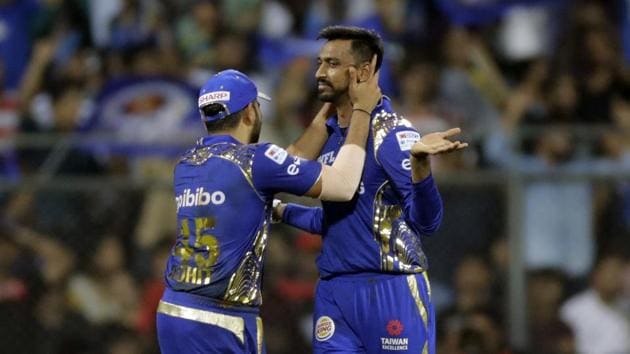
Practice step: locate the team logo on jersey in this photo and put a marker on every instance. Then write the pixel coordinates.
(216, 96)
(406, 139)
(394, 329)
(324, 328)
(276, 154)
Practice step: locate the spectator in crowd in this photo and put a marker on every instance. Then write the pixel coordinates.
(472, 284)
(595, 315)
(545, 293)
(105, 292)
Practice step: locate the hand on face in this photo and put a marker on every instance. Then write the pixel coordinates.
(364, 94)
(326, 111)
(437, 143)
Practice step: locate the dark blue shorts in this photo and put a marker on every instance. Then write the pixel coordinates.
(189, 323)
(374, 313)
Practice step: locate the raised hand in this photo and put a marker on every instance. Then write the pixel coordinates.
(364, 94)
(437, 143)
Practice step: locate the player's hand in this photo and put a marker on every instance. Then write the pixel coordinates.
(364, 94)
(437, 143)
(326, 111)
(278, 210)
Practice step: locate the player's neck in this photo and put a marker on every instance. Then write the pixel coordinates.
(239, 134)
(344, 113)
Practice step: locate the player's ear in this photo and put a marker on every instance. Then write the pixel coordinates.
(249, 118)
(364, 71)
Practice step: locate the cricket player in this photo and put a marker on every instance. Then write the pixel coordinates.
(224, 190)
(374, 294)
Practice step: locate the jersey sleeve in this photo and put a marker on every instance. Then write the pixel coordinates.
(275, 171)
(422, 203)
(310, 219)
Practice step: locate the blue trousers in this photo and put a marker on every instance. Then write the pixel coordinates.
(188, 323)
(374, 313)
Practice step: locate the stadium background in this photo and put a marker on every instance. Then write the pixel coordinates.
(98, 98)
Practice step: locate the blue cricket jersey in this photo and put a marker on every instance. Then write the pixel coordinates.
(224, 191)
(379, 230)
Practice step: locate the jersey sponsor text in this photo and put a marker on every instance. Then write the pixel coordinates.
(199, 198)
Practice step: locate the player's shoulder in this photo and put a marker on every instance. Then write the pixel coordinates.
(241, 154)
(389, 125)
(269, 152)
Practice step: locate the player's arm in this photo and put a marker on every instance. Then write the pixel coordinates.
(425, 209)
(310, 143)
(340, 181)
(408, 166)
(309, 219)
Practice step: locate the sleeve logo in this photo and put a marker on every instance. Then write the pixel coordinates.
(276, 154)
(406, 139)
(324, 328)
(293, 168)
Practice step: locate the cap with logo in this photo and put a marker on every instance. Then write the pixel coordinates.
(231, 89)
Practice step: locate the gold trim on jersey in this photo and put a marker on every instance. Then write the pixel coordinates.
(241, 155)
(415, 293)
(234, 324)
(398, 250)
(259, 334)
(428, 283)
(244, 285)
(382, 123)
(382, 227)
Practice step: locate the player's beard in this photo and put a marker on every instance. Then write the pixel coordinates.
(331, 93)
(255, 134)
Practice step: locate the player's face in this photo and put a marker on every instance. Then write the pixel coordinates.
(255, 134)
(332, 70)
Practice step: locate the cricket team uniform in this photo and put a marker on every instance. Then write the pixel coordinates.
(224, 193)
(374, 294)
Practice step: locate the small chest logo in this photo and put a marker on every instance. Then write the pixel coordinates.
(324, 328)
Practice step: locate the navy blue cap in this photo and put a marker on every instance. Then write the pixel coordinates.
(230, 88)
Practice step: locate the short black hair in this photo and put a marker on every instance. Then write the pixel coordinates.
(365, 42)
(226, 123)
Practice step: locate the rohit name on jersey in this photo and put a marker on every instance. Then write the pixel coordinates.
(199, 198)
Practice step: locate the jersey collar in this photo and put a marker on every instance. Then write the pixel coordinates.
(383, 104)
(218, 138)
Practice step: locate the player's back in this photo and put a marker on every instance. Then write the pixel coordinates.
(222, 224)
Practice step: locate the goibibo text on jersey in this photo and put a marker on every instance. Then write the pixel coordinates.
(199, 198)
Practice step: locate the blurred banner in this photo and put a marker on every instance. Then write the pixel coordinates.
(478, 12)
(145, 116)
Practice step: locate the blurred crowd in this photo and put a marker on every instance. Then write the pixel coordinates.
(89, 89)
